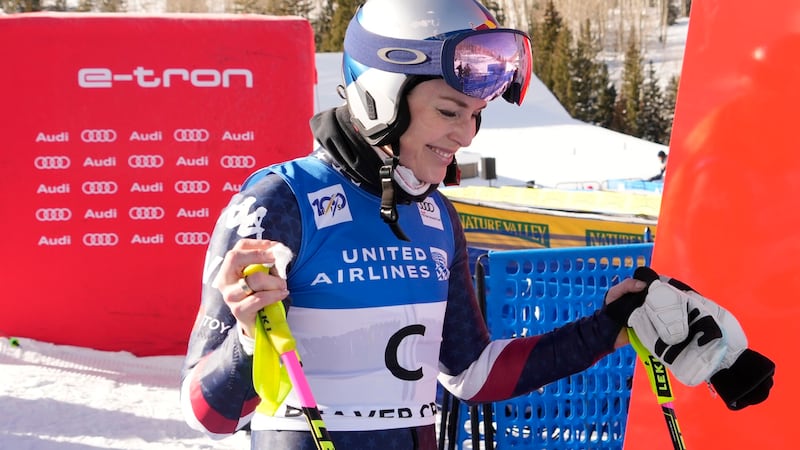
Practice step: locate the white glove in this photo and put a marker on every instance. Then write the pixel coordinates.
(706, 343)
(668, 310)
(694, 349)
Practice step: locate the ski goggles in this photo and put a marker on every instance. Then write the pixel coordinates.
(483, 63)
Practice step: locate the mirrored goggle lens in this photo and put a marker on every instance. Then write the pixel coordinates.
(487, 65)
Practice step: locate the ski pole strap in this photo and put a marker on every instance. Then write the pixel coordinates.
(270, 379)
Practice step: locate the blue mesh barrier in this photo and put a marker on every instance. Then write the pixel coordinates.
(530, 292)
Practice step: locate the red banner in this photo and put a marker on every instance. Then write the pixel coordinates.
(124, 137)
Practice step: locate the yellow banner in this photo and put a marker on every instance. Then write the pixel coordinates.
(504, 225)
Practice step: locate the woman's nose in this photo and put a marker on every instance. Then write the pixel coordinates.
(464, 131)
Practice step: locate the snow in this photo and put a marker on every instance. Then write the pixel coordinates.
(63, 397)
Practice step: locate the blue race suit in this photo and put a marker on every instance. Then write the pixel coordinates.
(377, 320)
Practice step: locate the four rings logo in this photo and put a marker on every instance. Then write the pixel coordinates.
(427, 206)
(237, 161)
(98, 135)
(145, 161)
(191, 135)
(99, 187)
(192, 186)
(100, 239)
(192, 238)
(51, 162)
(146, 213)
(53, 214)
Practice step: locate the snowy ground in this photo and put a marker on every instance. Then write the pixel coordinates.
(73, 398)
(61, 397)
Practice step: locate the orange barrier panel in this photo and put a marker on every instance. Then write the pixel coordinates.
(123, 138)
(728, 221)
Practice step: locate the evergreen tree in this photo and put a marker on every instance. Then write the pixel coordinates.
(583, 71)
(545, 37)
(112, 5)
(630, 89)
(300, 8)
(496, 10)
(670, 100)
(607, 97)
(19, 6)
(651, 123)
(102, 5)
(342, 13)
(618, 115)
(560, 69)
(322, 26)
(251, 6)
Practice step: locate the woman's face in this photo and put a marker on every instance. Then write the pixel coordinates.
(442, 121)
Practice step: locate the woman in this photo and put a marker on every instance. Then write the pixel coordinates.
(382, 301)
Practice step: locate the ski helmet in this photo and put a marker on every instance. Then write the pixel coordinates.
(392, 45)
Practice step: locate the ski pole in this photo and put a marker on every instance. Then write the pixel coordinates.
(273, 319)
(660, 384)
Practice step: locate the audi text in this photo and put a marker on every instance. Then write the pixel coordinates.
(58, 137)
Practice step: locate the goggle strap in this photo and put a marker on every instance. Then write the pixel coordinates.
(408, 56)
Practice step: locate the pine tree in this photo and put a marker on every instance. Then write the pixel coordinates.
(250, 6)
(496, 10)
(670, 100)
(102, 5)
(301, 8)
(607, 97)
(544, 43)
(322, 26)
(650, 121)
(583, 71)
(19, 6)
(630, 90)
(342, 13)
(560, 69)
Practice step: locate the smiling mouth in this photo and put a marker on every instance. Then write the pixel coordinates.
(445, 156)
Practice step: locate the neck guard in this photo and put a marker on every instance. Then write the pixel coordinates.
(344, 147)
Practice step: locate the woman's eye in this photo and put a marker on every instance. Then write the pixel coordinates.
(447, 113)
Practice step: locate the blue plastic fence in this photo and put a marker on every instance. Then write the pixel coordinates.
(529, 292)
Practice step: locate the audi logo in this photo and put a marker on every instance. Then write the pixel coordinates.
(192, 186)
(145, 161)
(99, 187)
(146, 213)
(53, 214)
(237, 161)
(427, 206)
(192, 238)
(100, 239)
(191, 135)
(98, 135)
(51, 162)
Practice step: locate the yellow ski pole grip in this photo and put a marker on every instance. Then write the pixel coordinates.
(274, 317)
(656, 372)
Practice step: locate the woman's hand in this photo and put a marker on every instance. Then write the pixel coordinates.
(625, 297)
(245, 296)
